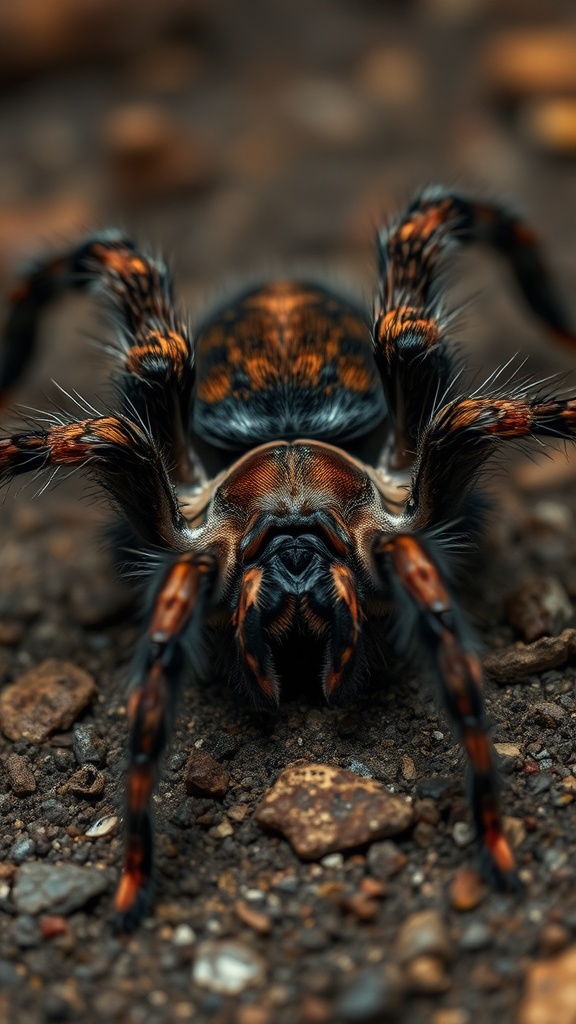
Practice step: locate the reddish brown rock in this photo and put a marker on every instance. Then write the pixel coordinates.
(322, 809)
(45, 699)
(466, 890)
(550, 991)
(20, 775)
(204, 776)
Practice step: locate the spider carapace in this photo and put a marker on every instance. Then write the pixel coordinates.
(296, 544)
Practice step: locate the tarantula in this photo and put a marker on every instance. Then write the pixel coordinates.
(296, 544)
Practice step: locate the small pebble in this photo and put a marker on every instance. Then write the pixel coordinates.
(87, 782)
(463, 834)
(88, 746)
(475, 936)
(466, 890)
(538, 607)
(227, 967)
(385, 859)
(204, 776)
(426, 975)
(424, 934)
(372, 996)
(20, 775)
(102, 827)
(255, 919)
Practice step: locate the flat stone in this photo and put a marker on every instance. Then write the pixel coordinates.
(60, 889)
(322, 809)
(20, 775)
(515, 663)
(550, 991)
(45, 699)
(204, 776)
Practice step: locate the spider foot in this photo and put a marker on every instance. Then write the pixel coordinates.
(133, 902)
(499, 866)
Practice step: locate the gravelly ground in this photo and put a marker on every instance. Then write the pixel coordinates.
(297, 173)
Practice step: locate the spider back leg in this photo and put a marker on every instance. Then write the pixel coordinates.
(414, 360)
(153, 349)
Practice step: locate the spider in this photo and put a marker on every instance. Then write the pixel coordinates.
(296, 553)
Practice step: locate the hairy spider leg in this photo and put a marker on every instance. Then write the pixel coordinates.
(177, 609)
(407, 563)
(463, 435)
(125, 460)
(153, 350)
(410, 347)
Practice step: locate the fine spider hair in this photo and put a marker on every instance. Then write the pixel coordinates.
(298, 542)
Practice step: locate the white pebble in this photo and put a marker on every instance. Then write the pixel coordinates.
(227, 968)
(103, 826)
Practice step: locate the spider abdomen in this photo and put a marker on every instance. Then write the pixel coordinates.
(285, 360)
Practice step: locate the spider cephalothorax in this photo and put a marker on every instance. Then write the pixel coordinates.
(301, 547)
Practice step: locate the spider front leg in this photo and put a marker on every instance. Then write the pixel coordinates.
(177, 609)
(407, 564)
(153, 350)
(124, 459)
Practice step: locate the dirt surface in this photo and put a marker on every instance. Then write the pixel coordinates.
(236, 137)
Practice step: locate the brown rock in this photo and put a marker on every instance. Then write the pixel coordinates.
(424, 934)
(87, 782)
(426, 974)
(550, 991)
(45, 699)
(549, 714)
(386, 859)
(538, 607)
(20, 775)
(532, 62)
(321, 809)
(514, 663)
(204, 776)
(255, 919)
(466, 890)
(154, 154)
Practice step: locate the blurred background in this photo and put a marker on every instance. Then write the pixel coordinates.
(249, 135)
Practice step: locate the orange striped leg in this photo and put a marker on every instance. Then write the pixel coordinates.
(177, 606)
(459, 674)
(152, 346)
